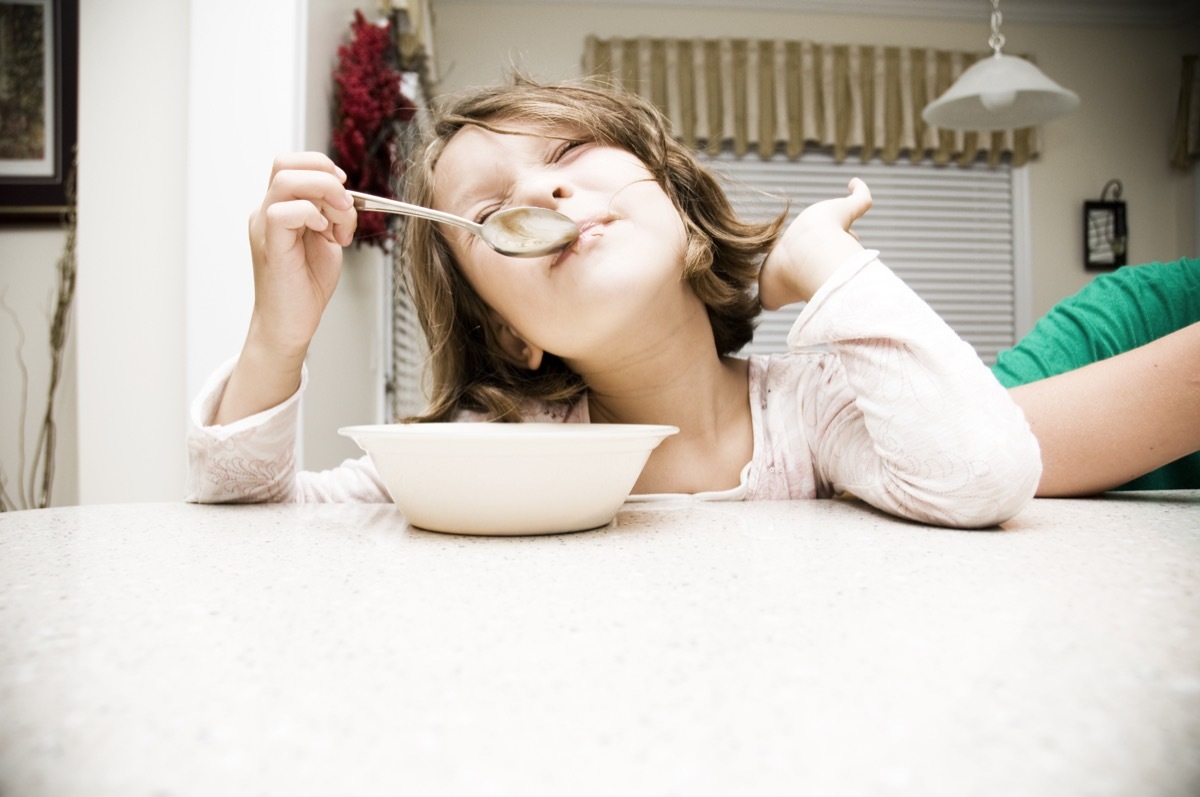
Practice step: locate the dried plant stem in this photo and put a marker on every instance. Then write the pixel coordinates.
(48, 436)
(35, 482)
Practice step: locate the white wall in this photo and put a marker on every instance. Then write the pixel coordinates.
(182, 111)
(132, 248)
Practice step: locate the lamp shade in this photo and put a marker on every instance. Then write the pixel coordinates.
(999, 93)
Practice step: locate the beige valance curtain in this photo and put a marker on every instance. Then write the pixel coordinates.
(1185, 149)
(766, 93)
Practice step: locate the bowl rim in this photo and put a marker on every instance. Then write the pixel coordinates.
(532, 430)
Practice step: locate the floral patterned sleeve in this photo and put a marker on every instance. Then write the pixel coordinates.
(906, 416)
(254, 460)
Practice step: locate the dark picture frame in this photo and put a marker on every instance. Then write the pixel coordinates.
(39, 96)
(1105, 235)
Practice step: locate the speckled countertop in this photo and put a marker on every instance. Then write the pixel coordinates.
(753, 649)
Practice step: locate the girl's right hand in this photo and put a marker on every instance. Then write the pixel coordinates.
(296, 240)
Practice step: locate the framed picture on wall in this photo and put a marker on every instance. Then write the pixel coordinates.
(1105, 235)
(39, 55)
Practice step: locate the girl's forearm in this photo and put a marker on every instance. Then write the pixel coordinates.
(264, 377)
(1106, 423)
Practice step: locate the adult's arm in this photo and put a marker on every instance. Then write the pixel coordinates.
(1105, 423)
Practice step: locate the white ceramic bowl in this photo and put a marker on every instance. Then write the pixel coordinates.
(509, 478)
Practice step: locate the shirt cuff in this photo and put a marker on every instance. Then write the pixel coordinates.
(204, 407)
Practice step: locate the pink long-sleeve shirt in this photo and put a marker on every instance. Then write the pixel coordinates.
(876, 397)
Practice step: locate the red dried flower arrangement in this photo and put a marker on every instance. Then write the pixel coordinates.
(370, 108)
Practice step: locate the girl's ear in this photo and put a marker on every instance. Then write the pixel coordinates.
(515, 349)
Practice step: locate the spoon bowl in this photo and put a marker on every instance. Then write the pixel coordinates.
(516, 232)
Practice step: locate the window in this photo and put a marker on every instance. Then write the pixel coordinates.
(950, 232)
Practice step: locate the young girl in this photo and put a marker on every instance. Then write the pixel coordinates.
(637, 322)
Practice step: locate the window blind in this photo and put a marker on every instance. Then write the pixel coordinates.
(947, 232)
(758, 94)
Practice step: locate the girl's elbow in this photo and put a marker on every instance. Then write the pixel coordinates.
(984, 491)
(1005, 486)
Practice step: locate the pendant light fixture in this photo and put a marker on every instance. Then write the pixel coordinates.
(999, 92)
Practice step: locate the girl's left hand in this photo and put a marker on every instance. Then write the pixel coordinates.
(812, 248)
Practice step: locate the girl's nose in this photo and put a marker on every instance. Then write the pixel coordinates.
(541, 189)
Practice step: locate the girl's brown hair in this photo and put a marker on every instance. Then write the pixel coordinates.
(467, 368)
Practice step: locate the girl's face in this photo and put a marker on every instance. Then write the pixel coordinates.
(621, 277)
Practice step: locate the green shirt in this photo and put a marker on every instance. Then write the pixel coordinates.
(1116, 312)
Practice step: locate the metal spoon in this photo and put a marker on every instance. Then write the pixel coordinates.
(516, 232)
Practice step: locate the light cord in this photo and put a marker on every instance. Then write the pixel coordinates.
(996, 40)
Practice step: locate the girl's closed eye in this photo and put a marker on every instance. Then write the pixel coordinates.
(564, 148)
(483, 215)
(493, 206)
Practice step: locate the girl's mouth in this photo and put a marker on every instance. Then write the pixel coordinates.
(589, 231)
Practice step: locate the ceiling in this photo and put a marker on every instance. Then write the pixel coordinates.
(1100, 13)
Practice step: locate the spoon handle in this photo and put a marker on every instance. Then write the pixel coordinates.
(368, 202)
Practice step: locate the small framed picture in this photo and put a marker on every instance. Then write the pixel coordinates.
(1105, 235)
(39, 55)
